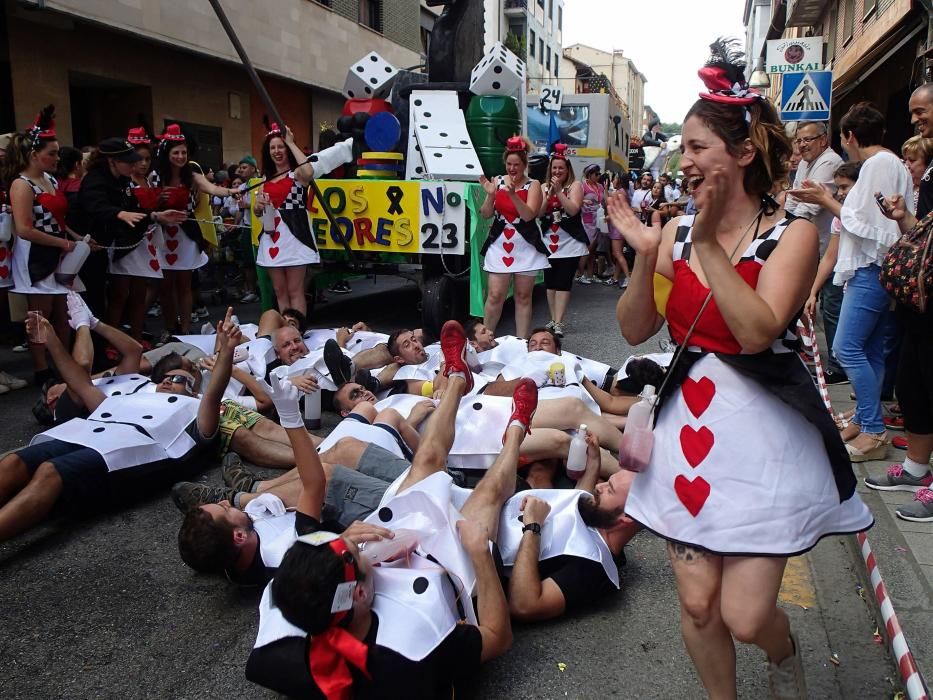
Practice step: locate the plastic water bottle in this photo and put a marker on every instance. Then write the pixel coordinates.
(71, 262)
(576, 455)
(638, 438)
(387, 550)
(312, 403)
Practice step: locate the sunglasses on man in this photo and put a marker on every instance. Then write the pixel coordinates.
(181, 379)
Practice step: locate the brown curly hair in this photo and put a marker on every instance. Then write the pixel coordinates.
(763, 128)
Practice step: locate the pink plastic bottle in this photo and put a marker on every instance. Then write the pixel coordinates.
(638, 438)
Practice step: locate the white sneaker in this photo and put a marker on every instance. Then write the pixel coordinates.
(11, 382)
(4, 389)
(21, 348)
(155, 311)
(207, 329)
(786, 680)
(585, 280)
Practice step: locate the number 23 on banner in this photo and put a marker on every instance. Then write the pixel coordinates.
(442, 218)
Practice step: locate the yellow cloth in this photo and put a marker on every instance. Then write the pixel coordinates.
(427, 390)
(662, 290)
(205, 217)
(255, 222)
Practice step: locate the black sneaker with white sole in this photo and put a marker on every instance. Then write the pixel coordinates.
(188, 495)
(832, 377)
(338, 364)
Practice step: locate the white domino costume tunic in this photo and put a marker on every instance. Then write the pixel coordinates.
(735, 469)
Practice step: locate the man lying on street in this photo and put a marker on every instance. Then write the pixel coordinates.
(333, 625)
(403, 348)
(244, 529)
(127, 446)
(565, 549)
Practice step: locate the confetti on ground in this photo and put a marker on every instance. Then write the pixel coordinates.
(861, 592)
(899, 696)
(834, 659)
(877, 636)
(898, 548)
(561, 666)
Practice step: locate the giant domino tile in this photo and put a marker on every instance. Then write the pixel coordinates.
(442, 137)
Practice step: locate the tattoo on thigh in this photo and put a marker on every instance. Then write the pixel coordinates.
(682, 552)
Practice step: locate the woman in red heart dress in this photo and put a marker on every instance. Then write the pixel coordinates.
(747, 467)
(513, 252)
(183, 251)
(564, 235)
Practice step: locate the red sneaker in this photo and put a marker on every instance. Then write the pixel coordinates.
(894, 422)
(453, 345)
(900, 442)
(524, 405)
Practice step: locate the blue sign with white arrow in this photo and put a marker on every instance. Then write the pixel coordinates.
(806, 96)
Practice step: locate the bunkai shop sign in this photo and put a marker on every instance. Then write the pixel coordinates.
(391, 216)
(795, 55)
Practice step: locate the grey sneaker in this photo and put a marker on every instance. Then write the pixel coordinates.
(785, 680)
(188, 495)
(550, 325)
(920, 510)
(558, 330)
(898, 479)
(235, 475)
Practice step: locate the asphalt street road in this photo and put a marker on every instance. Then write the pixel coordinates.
(104, 608)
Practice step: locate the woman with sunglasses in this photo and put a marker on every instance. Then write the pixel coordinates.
(564, 235)
(509, 259)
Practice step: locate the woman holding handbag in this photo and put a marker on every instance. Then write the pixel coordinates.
(747, 467)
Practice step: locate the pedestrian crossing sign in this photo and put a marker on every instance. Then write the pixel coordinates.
(806, 96)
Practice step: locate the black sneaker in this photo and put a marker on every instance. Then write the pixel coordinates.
(236, 476)
(365, 379)
(188, 495)
(338, 364)
(835, 377)
(340, 287)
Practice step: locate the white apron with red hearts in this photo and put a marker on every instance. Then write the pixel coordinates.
(179, 251)
(737, 471)
(510, 253)
(142, 261)
(562, 244)
(280, 248)
(6, 264)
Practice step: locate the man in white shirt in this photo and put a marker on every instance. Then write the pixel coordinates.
(818, 164)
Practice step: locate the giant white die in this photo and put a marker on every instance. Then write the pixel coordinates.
(500, 72)
(371, 76)
(441, 136)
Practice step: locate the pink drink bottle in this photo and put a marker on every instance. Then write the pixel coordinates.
(638, 438)
(576, 455)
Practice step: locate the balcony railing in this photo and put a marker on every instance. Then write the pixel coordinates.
(804, 13)
(515, 6)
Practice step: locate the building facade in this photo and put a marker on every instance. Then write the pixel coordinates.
(533, 29)
(105, 63)
(593, 70)
(876, 50)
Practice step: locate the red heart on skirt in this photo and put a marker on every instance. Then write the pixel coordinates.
(171, 245)
(171, 231)
(692, 494)
(508, 246)
(154, 264)
(171, 258)
(553, 247)
(555, 238)
(273, 252)
(4, 272)
(275, 236)
(698, 395)
(696, 444)
(278, 220)
(148, 236)
(508, 261)
(3, 253)
(555, 227)
(508, 233)
(152, 249)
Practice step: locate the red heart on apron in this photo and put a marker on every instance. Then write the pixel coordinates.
(171, 258)
(148, 236)
(508, 233)
(696, 444)
(278, 220)
(3, 253)
(171, 245)
(275, 236)
(508, 246)
(698, 395)
(152, 249)
(171, 231)
(508, 261)
(273, 252)
(4, 272)
(154, 264)
(692, 494)
(553, 247)
(555, 227)
(555, 238)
